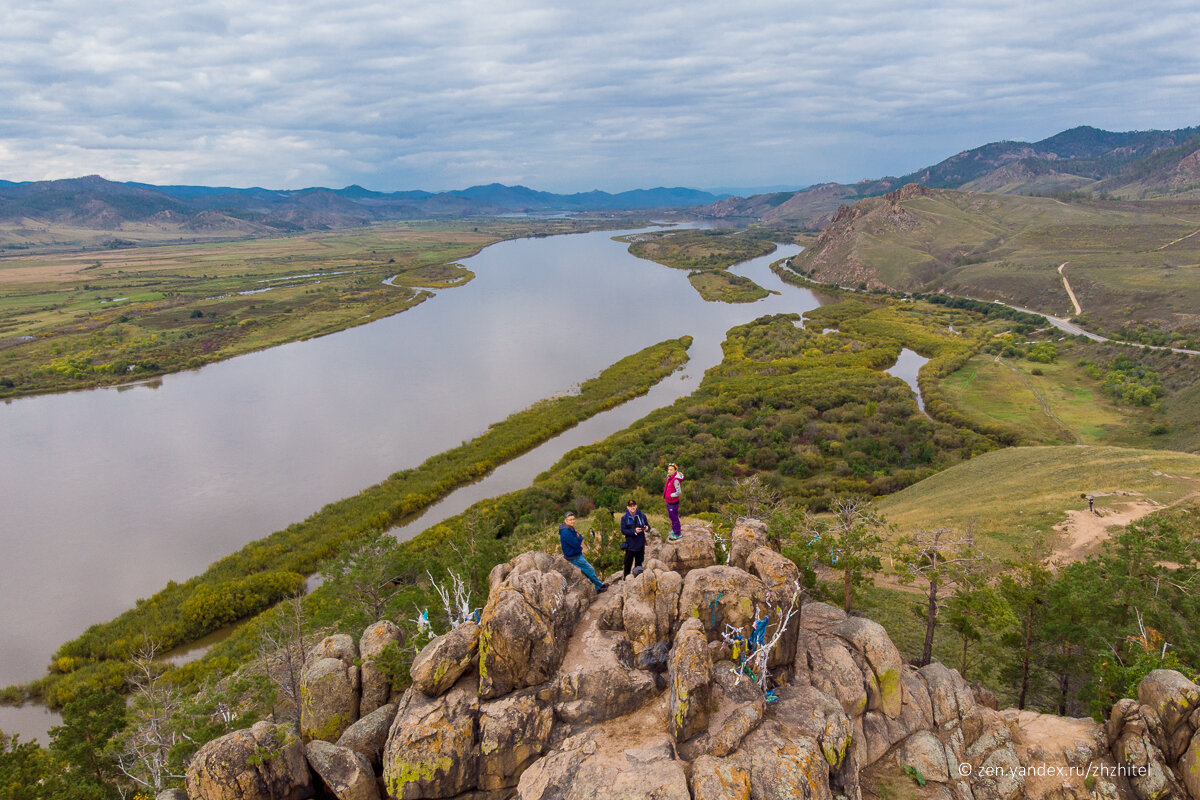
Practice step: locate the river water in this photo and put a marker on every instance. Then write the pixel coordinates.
(107, 494)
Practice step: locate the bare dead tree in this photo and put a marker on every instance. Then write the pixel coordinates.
(144, 755)
(940, 559)
(283, 652)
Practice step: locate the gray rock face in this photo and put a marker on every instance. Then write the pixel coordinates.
(924, 752)
(340, 646)
(781, 578)
(810, 713)
(650, 611)
(720, 596)
(513, 733)
(528, 621)
(445, 659)
(431, 749)
(368, 736)
(604, 683)
(646, 772)
(719, 779)
(264, 762)
(376, 688)
(694, 549)
(783, 767)
(1134, 733)
(690, 679)
(1172, 696)
(344, 773)
(882, 677)
(329, 697)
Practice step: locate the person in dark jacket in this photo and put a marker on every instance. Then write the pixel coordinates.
(572, 550)
(634, 525)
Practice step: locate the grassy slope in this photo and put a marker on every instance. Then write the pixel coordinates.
(1008, 248)
(1015, 495)
(81, 319)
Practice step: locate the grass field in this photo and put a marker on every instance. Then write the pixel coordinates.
(74, 320)
(725, 287)
(1131, 264)
(1015, 496)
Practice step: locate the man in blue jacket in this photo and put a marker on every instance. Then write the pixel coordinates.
(572, 550)
(634, 525)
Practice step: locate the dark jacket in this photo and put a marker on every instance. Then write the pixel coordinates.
(572, 542)
(637, 541)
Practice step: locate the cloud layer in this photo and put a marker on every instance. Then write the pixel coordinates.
(613, 96)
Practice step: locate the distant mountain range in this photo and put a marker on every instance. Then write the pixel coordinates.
(97, 204)
(1133, 165)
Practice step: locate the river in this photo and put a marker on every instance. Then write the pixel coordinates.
(107, 494)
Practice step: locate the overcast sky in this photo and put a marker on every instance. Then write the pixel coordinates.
(558, 96)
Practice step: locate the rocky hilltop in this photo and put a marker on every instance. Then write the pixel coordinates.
(655, 690)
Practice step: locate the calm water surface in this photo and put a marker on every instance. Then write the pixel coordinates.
(107, 494)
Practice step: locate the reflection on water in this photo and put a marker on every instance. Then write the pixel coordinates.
(907, 367)
(29, 721)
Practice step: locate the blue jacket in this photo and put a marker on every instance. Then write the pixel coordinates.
(629, 522)
(572, 542)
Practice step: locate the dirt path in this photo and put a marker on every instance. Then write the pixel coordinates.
(1070, 293)
(1085, 531)
(1180, 239)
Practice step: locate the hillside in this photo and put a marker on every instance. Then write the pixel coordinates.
(1130, 264)
(1134, 164)
(94, 212)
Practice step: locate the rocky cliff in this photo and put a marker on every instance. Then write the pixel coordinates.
(659, 689)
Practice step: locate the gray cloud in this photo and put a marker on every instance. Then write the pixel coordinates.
(613, 96)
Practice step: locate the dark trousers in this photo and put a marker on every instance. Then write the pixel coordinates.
(633, 558)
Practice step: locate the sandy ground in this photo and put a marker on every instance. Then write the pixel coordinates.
(1083, 531)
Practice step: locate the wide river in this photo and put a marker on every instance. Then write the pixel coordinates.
(105, 495)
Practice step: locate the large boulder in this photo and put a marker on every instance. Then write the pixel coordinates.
(649, 613)
(690, 680)
(329, 698)
(445, 659)
(345, 773)
(950, 697)
(882, 674)
(719, 779)
(579, 770)
(805, 711)
(748, 535)
(781, 578)
(340, 646)
(695, 548)
(513, 732)
(826, 663)
(431, 749)
(264, 762)
(376, 688)
(925, 753)
(368, 736)
(785, 766)
(1134, 735)
(598, 679)
(527, 623)
(723, 595)
(1172, 696)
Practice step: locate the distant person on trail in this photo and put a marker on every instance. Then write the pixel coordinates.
(572, 550)
(1091, 504)
(634, 525)
(672, 491)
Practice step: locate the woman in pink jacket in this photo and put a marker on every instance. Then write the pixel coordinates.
(672, 491)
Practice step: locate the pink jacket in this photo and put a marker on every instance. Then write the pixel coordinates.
(672, 490)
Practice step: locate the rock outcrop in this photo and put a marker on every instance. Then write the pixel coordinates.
(376, 688)
(560, 694)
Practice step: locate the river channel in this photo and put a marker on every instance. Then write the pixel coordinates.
(108, 494)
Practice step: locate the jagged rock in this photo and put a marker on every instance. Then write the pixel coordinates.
(527, 622)
(376, 688)
(601, 682)
(345, 773)
(723, 595)
(783, 767)
(430, 750)
(649, 614)
(1171, 695)
(748, 535)
(329, 697)
(445, 659)
(727, 728)
(884, 690)
(719, 779)
(368, 736)
(647, 772)
(826, 663)
(1134, 731)
(782, 581)
(987, 744)
(984, 696)
(738, 688)
(612, 618)
(694, 549)
(171, 794)
(264, 762)
(924, 752)
(1189, 766)
(340, 646)
(690, 677)
(814, 714)
(949, 696)
(513, 732)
